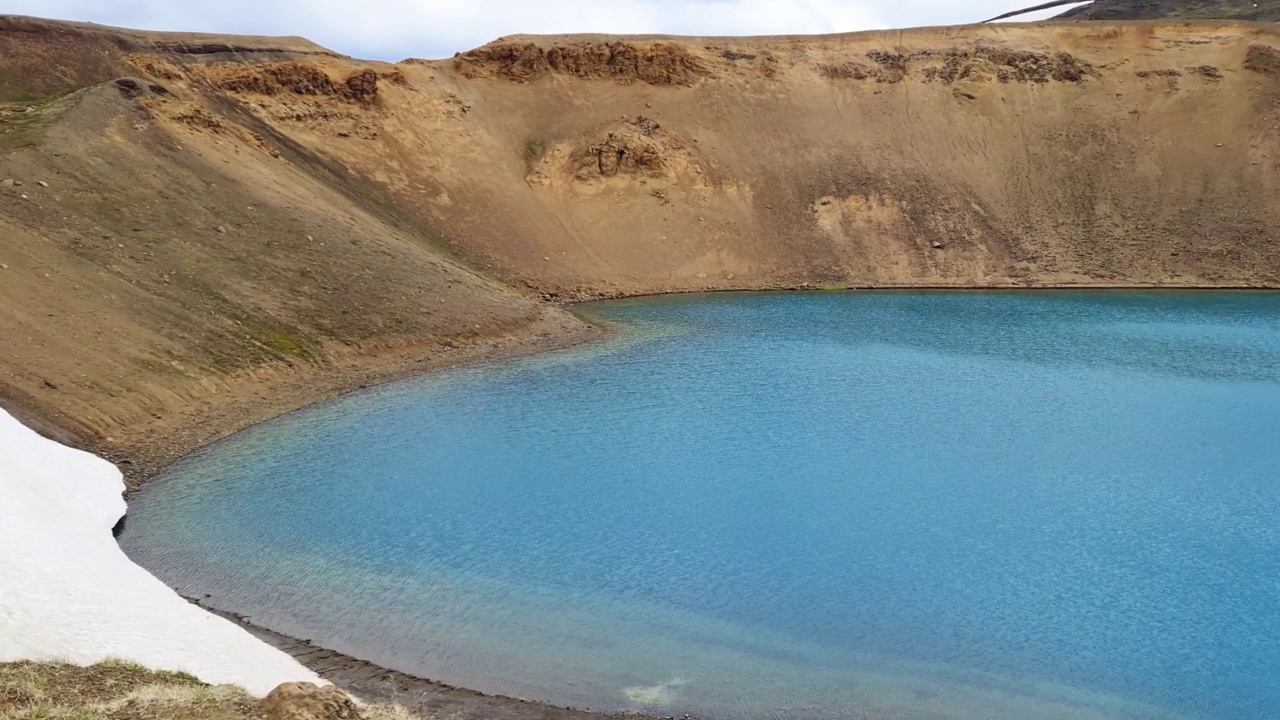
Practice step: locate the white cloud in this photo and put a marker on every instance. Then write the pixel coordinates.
(393, 29)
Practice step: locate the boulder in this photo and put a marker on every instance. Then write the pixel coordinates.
(307, 701)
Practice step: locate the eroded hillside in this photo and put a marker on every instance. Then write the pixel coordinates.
(224, 215)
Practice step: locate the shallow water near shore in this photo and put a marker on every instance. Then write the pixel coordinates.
(828, 505)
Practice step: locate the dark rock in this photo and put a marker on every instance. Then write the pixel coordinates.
(129, 88)
(1262, 59)
(361, 87)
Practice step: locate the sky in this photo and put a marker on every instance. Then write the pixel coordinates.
(397, 29)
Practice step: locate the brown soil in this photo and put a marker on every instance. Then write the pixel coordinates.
(655, 63)
(1263, 59)
(201, 232)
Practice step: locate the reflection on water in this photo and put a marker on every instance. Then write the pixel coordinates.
(918, 505)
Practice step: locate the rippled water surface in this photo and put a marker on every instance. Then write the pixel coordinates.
(1058, 505)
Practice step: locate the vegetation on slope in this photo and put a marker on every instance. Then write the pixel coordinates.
(210, 230)
(123, 691)
(163, 249)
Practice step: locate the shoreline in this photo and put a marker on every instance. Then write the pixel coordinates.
(147, 453)
(366, 680)
(376, 683)
(155, 448)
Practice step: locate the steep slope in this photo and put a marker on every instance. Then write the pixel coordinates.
(1245, 10)
(371, 212)
(1268, 10)
(1117, 154)
(167, 258)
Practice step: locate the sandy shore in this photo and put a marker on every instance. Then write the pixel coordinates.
(143, 458)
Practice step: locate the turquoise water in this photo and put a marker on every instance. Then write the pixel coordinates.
(901, 505)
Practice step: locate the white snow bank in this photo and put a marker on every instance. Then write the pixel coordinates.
(67, 591)
(1038, 15)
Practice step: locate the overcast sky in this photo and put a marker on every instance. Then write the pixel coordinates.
(396, 29)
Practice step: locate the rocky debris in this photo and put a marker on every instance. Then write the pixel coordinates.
(646, 126)
(457, 104)
(621, 153)
(199, 118)
(361, 87)
(936, 245)
(1262, 59)
(656, 63)
(639, 148)
(1167, 72)
(978, 63)
(222, 230)
(129, 88)
(306, 701)
(764, 62)
(42, 184)
(295, 78)
(1008, 65)
(848, 71)
(190, 48)
(8, 182)
(893, 65)
(1206, 71)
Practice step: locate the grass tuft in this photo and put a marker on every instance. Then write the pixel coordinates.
(23, 124)
(286, 342)
(117, 690)
(534, 150)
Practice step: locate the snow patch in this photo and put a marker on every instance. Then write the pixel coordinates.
(1047, 14)
(67, 591)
